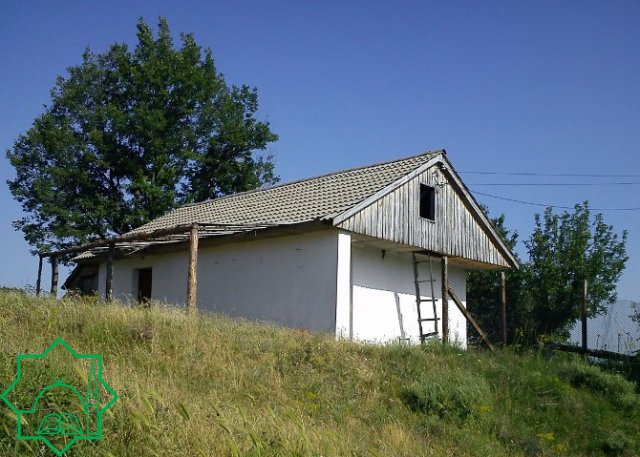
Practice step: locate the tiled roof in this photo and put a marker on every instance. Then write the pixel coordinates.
(322, 197)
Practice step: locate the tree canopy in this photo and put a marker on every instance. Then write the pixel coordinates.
(544, 297)
(565, 250)
(131, 134)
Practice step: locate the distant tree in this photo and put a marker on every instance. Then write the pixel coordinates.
(544, 296)
(483, 291)
(635, 309)
(565, 250)
(131, 134)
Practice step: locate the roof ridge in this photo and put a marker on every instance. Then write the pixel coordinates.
(333, 173)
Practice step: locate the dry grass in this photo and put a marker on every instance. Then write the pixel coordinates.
(212, 386)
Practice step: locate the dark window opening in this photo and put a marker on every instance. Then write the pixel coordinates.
(427, 202)
(144, 286)
(88, 284)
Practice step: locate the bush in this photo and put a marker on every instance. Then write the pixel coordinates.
(450, 394)
(611, 386)
(617, 444)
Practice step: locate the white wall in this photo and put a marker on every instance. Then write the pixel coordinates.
(301, 281)
(288, 280)
(384, 307)
(343, 292)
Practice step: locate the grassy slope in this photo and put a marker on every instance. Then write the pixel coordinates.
(215, 386)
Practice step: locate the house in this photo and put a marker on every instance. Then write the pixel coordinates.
(360, 253)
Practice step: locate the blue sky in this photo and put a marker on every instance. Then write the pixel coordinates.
(519, 86)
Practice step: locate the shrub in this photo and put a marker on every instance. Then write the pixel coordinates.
(617, 444)
(453, 394)
(611, 386)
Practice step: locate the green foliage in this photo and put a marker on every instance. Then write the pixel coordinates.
(452, 393)
(636, 313)
(131, 134)
(564, 251)
(618, 444)
(544, 297)
(612, 386)
(210, 385)
(483, 292)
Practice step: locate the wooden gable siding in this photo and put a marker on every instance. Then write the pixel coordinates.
(455, 231)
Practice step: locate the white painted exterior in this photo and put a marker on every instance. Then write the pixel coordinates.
(318, 281)
(344, 295)
(290, 280)
(384, 300)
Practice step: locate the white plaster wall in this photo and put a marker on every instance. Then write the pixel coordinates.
(384, 307)
(290, 280)
(343, 293)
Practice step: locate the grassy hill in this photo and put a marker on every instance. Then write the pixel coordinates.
(211, 386)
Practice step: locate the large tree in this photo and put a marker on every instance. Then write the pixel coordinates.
(565, 250)
(544, 297)
(132, 133)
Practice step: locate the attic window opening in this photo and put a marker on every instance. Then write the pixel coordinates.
(427, 202)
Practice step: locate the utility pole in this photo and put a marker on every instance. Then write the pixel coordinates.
(584, 315)
(503, 307)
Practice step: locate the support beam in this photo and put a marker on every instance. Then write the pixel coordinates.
(470, 318)
(157, 234)
(54, 276)
(503, 306)
(585, 302)
(39, 280)
(192, 280)
(108, 290)
(445, 302)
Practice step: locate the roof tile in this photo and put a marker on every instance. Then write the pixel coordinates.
(322, 197)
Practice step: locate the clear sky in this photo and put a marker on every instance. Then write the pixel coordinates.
(508, 86)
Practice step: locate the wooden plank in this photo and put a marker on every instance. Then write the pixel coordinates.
(445, 303)
(39, 280)
(154, 235)
(585, 302)
(54, 276)
(470, 318)
(108, 291)
(456, 231)
(503, 306)
(600, 353)
(192, 278)
(390, 188)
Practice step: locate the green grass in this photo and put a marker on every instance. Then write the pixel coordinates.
(212, 386)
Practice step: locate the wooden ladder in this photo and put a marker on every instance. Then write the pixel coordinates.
(419, 300)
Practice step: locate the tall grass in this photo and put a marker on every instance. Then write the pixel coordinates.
(213, 386)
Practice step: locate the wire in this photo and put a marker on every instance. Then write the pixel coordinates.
(556, 184)
(578, 175)
(552, 206)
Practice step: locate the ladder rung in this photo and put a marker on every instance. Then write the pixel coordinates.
(430, 319)
(427, 335)
(428, 300)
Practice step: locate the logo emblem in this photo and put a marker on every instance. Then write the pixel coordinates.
(59, 397)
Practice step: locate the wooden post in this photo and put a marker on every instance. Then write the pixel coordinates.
(445, 302)
(54, 276)
(39, 280)
(108, 290)
(470, 318)
(503, 306)
(192, 279)
(584, 315)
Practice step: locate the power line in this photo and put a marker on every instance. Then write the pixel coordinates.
(555, 184)
(551, 206)
(574, 175)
